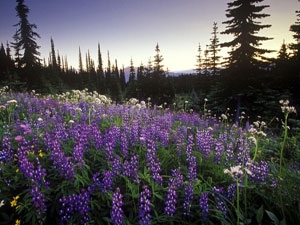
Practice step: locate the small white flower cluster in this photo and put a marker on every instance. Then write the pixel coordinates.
(13, 101)
(1, 203)
(135, 103)
(2, 107)
(91, 97)
(4, 90)
(237, 171)
(286, 108)
(224, 117)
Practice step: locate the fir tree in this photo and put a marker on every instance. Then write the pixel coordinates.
(206, 63)
(58, 61)
(53, 56)
(100, 63)
(158, 67)
(80, 62)
(25, 38)
(131, 72)
(295, 28)
(242, 25)
(199, 61)
(122, 78)
(214, 49)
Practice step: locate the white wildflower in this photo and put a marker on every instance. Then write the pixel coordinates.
(186, 102)
(261, 133)
(1, 203)
(39, 119)
(252, 139)
(11, 102)
(256, 123)
(224, 117)
(205, 100)
(71, 121)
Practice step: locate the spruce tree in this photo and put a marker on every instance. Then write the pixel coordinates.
(25, 38)
(242, 25)
(80, 62)
(53, 56)
(100, 62)
(206, 63)
(214, 49)
(122, 78)
(131, 72)
(199, 61)
(295, 28)
(158, 67)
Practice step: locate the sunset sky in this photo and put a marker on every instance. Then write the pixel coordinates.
(131, 28)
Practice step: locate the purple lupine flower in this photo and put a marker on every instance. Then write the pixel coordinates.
(192, 173)
(134, 133)
(174, 182)
(189, 195)
(204, 140)
(170, 207)
(219, 150)
(7, 152)
(231, 192)
(189, 148)
(117, 212)
(97, 137)
(145, 206)
(116, 165)
(75, 204)
(229, 155)
(110, 139)
(203, 202)
(153, 163)
(218, 193)
(164, 136)
(130, 168)
(260, 172)
(107, 181)
(62, 163)
(38, 199)
(124, 142)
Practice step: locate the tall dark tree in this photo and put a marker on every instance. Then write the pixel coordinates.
(158, 67)
(53, 55)
(80, 62)
(295, 28)
(243, 26)
(214, 49)
(206, 63)
(25, 38)
(199, 60)
(131, 72)
(122, 78)
(100, 62)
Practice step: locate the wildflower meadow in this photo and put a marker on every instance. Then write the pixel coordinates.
(78, 158)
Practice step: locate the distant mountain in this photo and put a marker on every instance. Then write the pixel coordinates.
(171, 73)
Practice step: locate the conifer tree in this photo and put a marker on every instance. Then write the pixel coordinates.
(131, 72)
(66, 64)
(283, 54)
(122, 78)
(58, 60)
(108, 63)
(158, 67)
(199, 61)
(206, 63)
(80, 62)
(100, 62)
(87, 62)
(25, 38)
(149, 67)
(53, 55)
(117, 70)
(214, 49)
(295, 28)
(242, 25)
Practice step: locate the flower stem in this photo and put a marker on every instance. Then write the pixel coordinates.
(238, 201)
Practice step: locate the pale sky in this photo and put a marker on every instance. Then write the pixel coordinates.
(131, 28)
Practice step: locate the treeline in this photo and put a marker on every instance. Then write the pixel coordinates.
(246, 80)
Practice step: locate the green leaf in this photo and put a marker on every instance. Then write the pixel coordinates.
(260, 214)
(273, 217)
